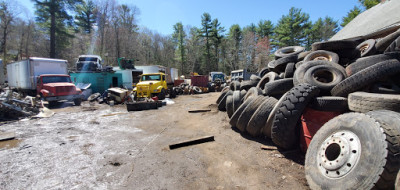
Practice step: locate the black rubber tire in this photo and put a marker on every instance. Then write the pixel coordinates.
(297, 65)
(285, 132)
(377, 155)
(253, 91)
(229, 105)
(260, 116)
(365, 77)
(247, 84)
(93, 97)
(391, 125)
(172, 93)
(367, 48)
(197, 90)
(364, 102)
(365, 62)
(397, 183)
(334, 45)
(246, 114)
(288, 51)
(236, 99)
(394, 46)
(302, 55)
(329, 104)
(279, 65)
(233, 120)
(263, 71)
(222, 103)
(267, 129)
(289, 70)
(325, 77)
(78, 101)
(322, 55)
(269, 77)
(242, 94)
(278, 87)
(234, 85)
(254, 77)
(222, 95)
(385, 42)
(298, 76)
(161, 95)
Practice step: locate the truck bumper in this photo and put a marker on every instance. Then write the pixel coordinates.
(58, 98)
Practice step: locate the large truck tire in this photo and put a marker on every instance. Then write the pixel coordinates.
(364, 102)
(78, 101)
(365, 77)
(222, 103)
(260, 116)
(285, 130)
(229, 106)
(247, 112)
(239, 111)
(354, 151)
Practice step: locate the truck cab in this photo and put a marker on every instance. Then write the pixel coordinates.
(153, 84)
(89, 63)
(55, 87)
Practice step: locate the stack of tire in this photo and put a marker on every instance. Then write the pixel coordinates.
(359, 149)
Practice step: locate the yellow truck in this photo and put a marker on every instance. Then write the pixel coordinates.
(153, 84)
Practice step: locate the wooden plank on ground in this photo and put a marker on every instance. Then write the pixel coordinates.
(200, 110)
(191, 142)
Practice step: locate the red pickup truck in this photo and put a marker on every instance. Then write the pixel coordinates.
(56, 87)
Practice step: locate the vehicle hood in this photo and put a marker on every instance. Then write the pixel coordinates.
(58, 84)
(147, 83)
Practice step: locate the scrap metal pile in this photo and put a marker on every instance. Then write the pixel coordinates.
(14, 105)
(348, 90)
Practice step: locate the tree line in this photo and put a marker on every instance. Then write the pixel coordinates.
(67, 28)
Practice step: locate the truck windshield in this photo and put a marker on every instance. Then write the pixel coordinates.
(55, 79)
(218, 76)
(88, 59)
(150, 77)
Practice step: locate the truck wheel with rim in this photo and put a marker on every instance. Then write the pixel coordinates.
(353, 146)
(77, 101)
(161, 95)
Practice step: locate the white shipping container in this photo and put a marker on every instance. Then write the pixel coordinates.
(172, 73)
(23, 74)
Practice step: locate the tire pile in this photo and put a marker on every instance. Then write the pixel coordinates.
(359, 79)
(186, 89)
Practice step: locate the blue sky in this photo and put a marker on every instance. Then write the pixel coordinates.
(161, 15)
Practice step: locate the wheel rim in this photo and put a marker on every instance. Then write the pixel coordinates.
(364, 48)
(338, 154)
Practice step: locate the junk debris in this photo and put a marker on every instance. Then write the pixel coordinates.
(15, 106)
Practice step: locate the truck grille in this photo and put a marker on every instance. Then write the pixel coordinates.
(65, 90)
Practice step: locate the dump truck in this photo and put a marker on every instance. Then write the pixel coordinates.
(217, 81)
(44, 77)
(153, 84)
(89, 63)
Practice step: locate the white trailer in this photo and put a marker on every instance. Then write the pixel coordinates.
(130, 77)
(2, 78)
(23, 74)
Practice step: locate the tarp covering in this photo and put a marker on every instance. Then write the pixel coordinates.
(372, 22)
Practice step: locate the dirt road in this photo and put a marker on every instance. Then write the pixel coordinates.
(103, 147)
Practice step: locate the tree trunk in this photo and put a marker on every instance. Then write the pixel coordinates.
(53, 34)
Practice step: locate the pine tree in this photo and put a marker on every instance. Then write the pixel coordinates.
(217, 36)
(86, 16)
(265, 28)
(291, 29)
(53, 16)
(350, 16)
(205, 33)
(235, 38)
(178, 37)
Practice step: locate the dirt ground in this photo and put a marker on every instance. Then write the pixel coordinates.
(103, 147)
